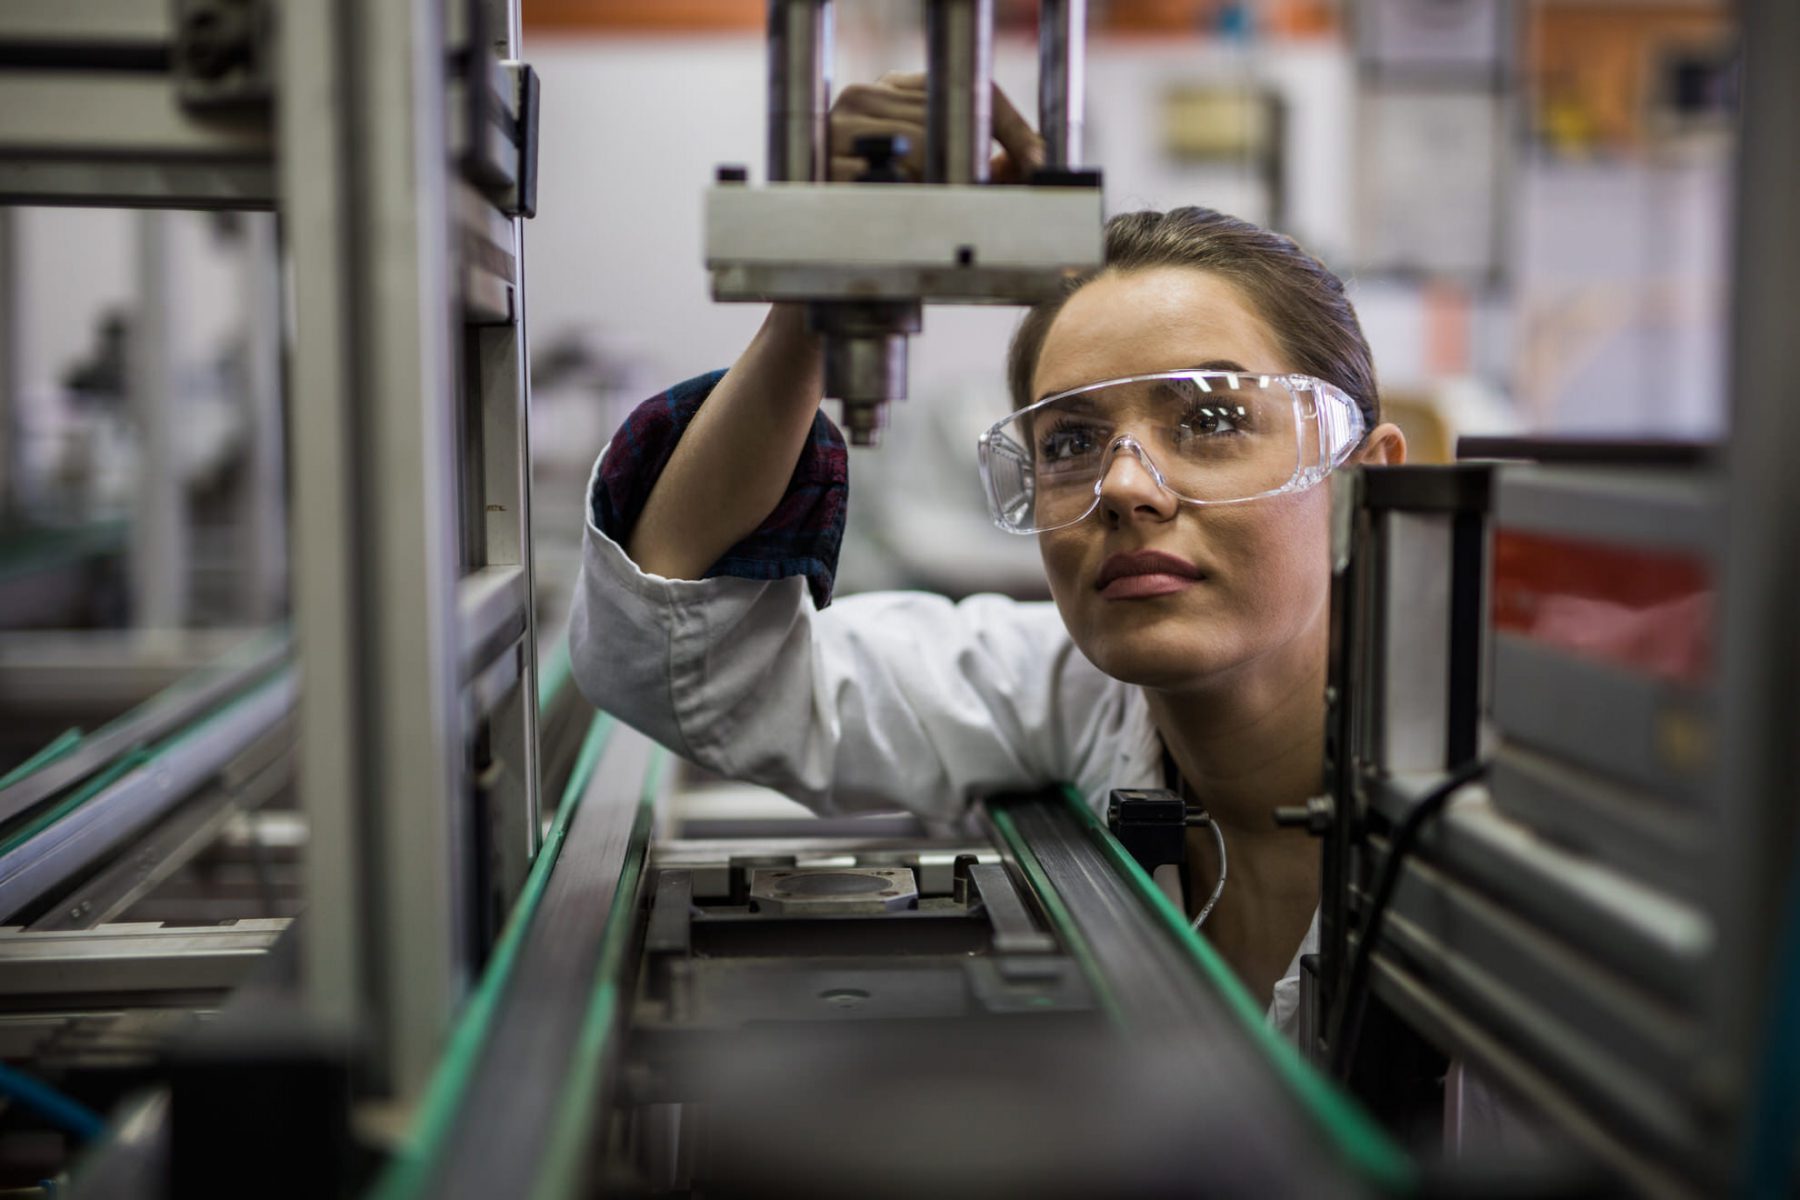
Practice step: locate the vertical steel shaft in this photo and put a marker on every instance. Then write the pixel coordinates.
(959, 38)
(799, 90)
(1062, 79)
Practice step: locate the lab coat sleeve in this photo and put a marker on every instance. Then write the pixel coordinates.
(886, 700)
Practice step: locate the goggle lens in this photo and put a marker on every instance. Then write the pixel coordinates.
(1209, 437)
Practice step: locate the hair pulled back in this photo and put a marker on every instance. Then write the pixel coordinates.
(1296, 295)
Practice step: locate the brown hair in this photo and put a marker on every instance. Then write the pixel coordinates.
(1299, 298)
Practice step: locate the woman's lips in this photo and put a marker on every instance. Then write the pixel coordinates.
(1137, 587)
(1145, 573)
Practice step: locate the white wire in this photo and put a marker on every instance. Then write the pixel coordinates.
(1206, 909)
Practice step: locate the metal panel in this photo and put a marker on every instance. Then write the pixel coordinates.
(1647, 732)
(1446, 1024)
(1413, 715)
(366, 217)
(94, 114)
(1587, 1023)
(1653, 938)
(1619, 506)
(24, 22)
(138, 184)
(116, 960)
(1592, 815)
(823, 225)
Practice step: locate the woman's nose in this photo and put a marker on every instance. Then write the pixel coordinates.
(1128, 487)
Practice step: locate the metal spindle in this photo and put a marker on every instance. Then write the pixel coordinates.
(1062, 79)
(799, 90)
(959, 36)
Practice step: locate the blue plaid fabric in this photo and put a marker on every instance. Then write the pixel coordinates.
(801, 537)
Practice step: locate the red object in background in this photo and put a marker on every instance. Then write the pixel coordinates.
(1649, 611)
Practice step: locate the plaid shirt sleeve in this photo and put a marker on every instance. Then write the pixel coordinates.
(801, 537)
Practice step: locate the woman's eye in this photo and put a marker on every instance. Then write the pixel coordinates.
(1211, 421)
(1061, 445)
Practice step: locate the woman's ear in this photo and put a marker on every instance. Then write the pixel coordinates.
(1385, 447)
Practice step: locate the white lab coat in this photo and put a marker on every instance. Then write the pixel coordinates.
(884, 700)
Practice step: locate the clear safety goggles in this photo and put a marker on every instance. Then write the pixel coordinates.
(1206, 437)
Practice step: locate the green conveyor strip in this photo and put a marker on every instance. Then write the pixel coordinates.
(554, 673)
(43, 818)
(127, 762)
(72, 740)
(59, 746)
(407, 1169)
(1361, 1142)
(576, 1114)
(1058, 911)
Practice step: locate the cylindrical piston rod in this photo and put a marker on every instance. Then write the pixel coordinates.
(799, 90)
(1062, 79)
(959, 40)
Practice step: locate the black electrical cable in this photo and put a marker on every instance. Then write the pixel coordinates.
(1352, 1000)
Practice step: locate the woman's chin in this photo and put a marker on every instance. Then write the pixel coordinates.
(1171, 663)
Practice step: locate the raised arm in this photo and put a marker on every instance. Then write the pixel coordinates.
(734, 461)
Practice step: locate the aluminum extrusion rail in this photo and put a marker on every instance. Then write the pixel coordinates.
(95, 968)
(133, 792)
(69, 760)
(546, 1005)
(1166, 987)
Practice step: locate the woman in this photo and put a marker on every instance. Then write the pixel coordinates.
(1188, 563)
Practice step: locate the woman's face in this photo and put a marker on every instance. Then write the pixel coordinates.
(1261, 571)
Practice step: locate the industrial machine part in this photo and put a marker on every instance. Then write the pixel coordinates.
(865, 257)
(418, 725)
(1593, 930)
(1500, 931)
(856, 1012)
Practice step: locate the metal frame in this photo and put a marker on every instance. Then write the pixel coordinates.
(96, 118)
(157, 964)
(1631, 1006)
(1758, 755)
(412, 790)
(411, 561)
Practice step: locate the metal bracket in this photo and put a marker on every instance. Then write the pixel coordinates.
(1152, 824)
(224, 54)
(525, 92)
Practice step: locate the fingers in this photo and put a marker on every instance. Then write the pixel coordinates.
(845, 130)
(895, 106)
(908, 81)
(1024, 148)
(878, 100)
